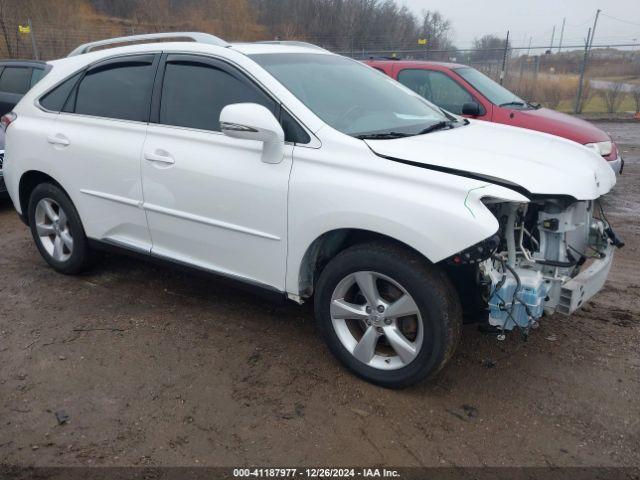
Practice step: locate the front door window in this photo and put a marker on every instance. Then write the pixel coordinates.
(436, 87)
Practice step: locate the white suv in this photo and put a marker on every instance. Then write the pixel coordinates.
(308, 174)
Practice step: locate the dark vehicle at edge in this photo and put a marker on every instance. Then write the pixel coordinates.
(16, 78)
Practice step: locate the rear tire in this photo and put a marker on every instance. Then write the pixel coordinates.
(57, 230)
(387, 314)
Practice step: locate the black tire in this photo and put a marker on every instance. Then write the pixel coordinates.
(432, 291)
(81, 256)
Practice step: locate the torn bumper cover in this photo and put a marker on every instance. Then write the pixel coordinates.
(579, 290)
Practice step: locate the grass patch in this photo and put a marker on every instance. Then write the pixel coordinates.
(595, 104)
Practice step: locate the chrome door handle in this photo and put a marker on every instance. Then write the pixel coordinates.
(58, 139)
(159, 156)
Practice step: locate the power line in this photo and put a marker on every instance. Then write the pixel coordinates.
(620, 19)
(496, 49)
(588, 20)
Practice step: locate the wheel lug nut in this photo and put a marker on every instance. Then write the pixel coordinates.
(380, 308)
(387, 321)
(368, 309)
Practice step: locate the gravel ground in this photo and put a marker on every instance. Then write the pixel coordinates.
(155, 367)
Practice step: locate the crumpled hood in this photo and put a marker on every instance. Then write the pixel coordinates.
(539, 163)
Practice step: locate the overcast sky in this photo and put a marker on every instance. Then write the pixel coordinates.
(535, 18)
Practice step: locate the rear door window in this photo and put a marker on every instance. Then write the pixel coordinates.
(437, 87)
(15, 80)
(118, 88)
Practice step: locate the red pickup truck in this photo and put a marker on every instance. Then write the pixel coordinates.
(465, 91)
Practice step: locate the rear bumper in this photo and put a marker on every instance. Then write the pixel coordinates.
(617, 165)
(577, 291)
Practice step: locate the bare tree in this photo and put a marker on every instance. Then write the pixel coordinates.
(636, 97)
(343, 25)
(613, 96)
(488, 48)
(352, 25)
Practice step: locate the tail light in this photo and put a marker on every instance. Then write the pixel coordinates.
(7, 120)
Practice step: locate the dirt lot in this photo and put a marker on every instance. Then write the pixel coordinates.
(156, 367)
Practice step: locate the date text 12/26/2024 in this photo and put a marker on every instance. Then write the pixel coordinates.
(315, 473)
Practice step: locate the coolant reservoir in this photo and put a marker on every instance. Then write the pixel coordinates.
(505, 310)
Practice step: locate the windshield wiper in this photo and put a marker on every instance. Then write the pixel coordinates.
(514, 103)
(437, 126)
(382, 136)
(431, 128)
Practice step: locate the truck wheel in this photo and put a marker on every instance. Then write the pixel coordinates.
(387, 314)
(57, 230)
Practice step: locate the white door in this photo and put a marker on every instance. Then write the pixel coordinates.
(210, 200)
(96, 145)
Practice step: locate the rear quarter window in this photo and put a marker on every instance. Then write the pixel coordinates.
(56, 98)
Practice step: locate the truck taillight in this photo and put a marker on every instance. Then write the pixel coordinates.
(7, 119)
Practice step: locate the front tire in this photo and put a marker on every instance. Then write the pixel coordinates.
(387, 314)
(57, 230)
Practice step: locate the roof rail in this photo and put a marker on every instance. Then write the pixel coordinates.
(195, 36)
(293, 43)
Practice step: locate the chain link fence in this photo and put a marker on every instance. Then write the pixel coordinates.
(537, 74)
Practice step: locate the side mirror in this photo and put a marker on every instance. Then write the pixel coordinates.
(471, 108)
(251, 121)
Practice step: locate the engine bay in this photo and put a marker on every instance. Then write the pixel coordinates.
(549, 255)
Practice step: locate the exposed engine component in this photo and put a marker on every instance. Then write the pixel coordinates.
(532, 266)
(517, 298)
(476, 253)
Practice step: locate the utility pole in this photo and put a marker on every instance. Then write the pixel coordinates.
(504, 58)
(33, 40)
(578, 108)
(553, 34)
(529, 47)
(564, 20)
(593, 30)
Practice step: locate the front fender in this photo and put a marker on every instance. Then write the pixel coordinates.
(435, 213)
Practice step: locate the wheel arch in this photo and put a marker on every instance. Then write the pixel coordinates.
(28, 182)
(327, 245)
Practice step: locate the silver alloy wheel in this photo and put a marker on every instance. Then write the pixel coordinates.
(377, 320)
(52, 227)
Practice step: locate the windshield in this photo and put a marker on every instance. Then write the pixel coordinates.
(494, 92)
(349, 96)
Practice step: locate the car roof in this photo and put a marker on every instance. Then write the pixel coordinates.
(416, 63)
(16, 62)
(246, 48)
(83, 59)
(189, 47)
(283, 47)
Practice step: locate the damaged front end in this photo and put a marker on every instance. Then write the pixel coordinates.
(549, 255)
